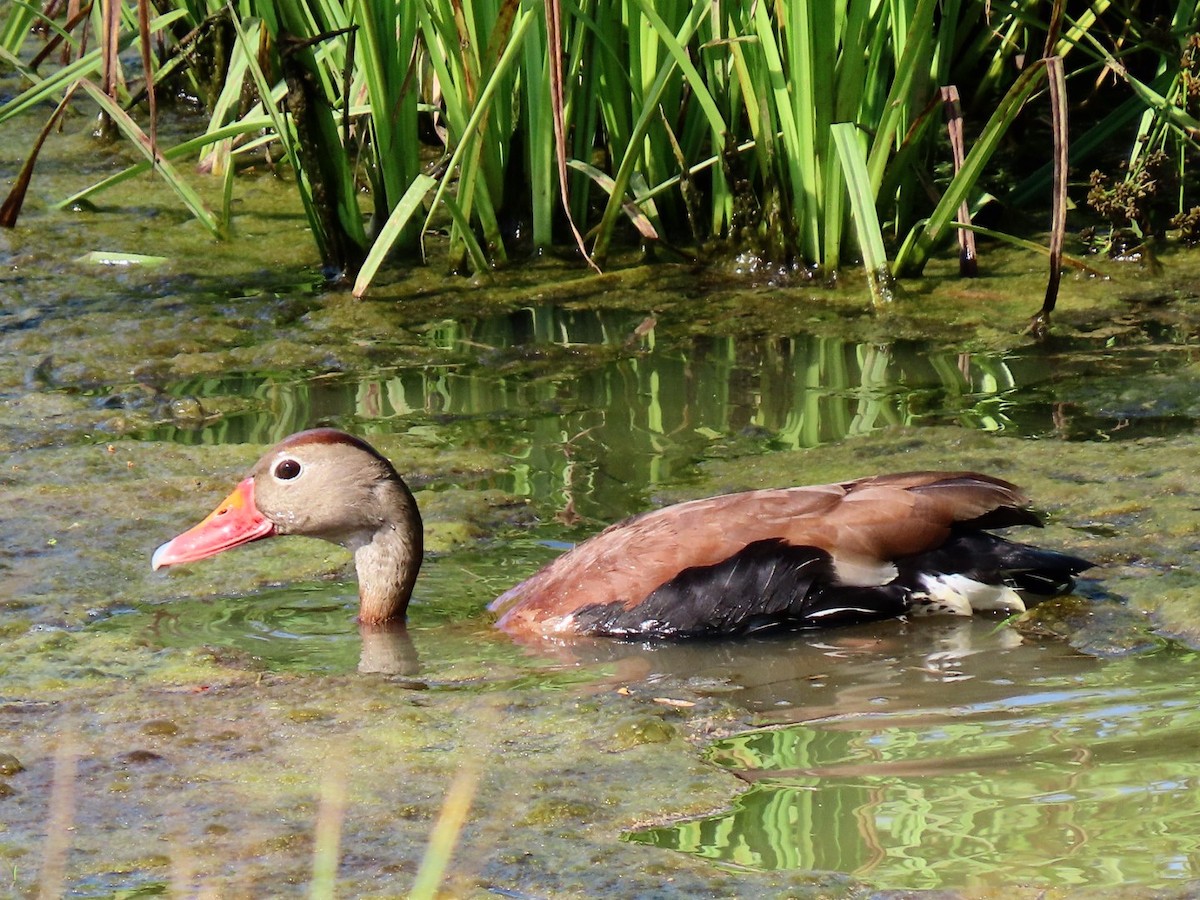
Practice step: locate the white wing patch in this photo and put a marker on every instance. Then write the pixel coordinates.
(958, 595)
(862, 572)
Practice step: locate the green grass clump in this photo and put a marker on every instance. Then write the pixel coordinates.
(809, 131)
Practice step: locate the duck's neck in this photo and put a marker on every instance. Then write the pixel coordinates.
(387, 567)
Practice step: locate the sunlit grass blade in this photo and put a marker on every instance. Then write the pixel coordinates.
(397, 222)
(896, 107)
(645, 95)
(781, 119)
(60, 818)
(542, 94)
(243, 127)
(115, 258)
(925, 236)
(472, 131)
(141, 142)
(17, 26)
(479, 259)
(46, 88)
(226, 105)
(647, 115)
(675, 46)
(327, 837)
(386, 58)
(632, 210)
(862, 204)
(307, 53)
(248, 35)
(1035, 247)
(446, 832)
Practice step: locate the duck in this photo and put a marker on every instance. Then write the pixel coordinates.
(883, 546)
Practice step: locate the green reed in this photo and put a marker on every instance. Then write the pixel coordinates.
(806, 130)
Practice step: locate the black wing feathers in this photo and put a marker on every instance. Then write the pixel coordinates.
(767, 585)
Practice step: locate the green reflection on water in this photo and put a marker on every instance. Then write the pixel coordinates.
(588, 415)
(1081, 780)
(586, 404)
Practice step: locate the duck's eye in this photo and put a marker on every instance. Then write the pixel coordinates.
(287, 469)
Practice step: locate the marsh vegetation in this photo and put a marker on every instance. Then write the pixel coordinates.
(804, 135)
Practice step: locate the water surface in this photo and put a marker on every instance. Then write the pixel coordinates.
(218, 711)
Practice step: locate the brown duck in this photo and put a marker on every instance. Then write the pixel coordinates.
(800, 557)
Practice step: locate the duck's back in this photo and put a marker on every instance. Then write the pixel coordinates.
(796, 557)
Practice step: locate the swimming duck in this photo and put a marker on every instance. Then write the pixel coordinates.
(878, 547)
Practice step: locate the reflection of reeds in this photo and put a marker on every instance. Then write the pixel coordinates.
(581, 411)
(60, 815)
(446, 830)
(331, 814)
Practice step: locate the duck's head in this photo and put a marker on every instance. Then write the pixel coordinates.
(325, 484)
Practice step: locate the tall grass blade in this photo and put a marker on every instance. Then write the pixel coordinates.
(143, 16)
(245, 126)
(141, 142)
(919, 244)
(306, 59)
(60, 818)
(462, 160)
(895, 108)
(249, 34)
(554, 51)
(472, 247)
(327, 837)
(968, 260)
(44, 88)
(395, 226)
(446, 832)
(1073, 262)
(862, 204)
(386, 59)
(605, 182)
(647, 115)
(17, 26)
(10, 210)
(1040, 323)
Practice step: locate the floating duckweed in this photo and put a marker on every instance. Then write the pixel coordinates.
(1098, 628)
(306, 714)
(141, 757)
(639, 730)
(552, 810)
(9, 765)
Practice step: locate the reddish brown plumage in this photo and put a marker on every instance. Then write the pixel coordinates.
(861, 524)
(794, 556)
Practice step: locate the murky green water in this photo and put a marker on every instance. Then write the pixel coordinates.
(981, 766)
(209, 710)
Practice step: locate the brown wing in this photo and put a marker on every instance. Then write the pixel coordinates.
(862, 524)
